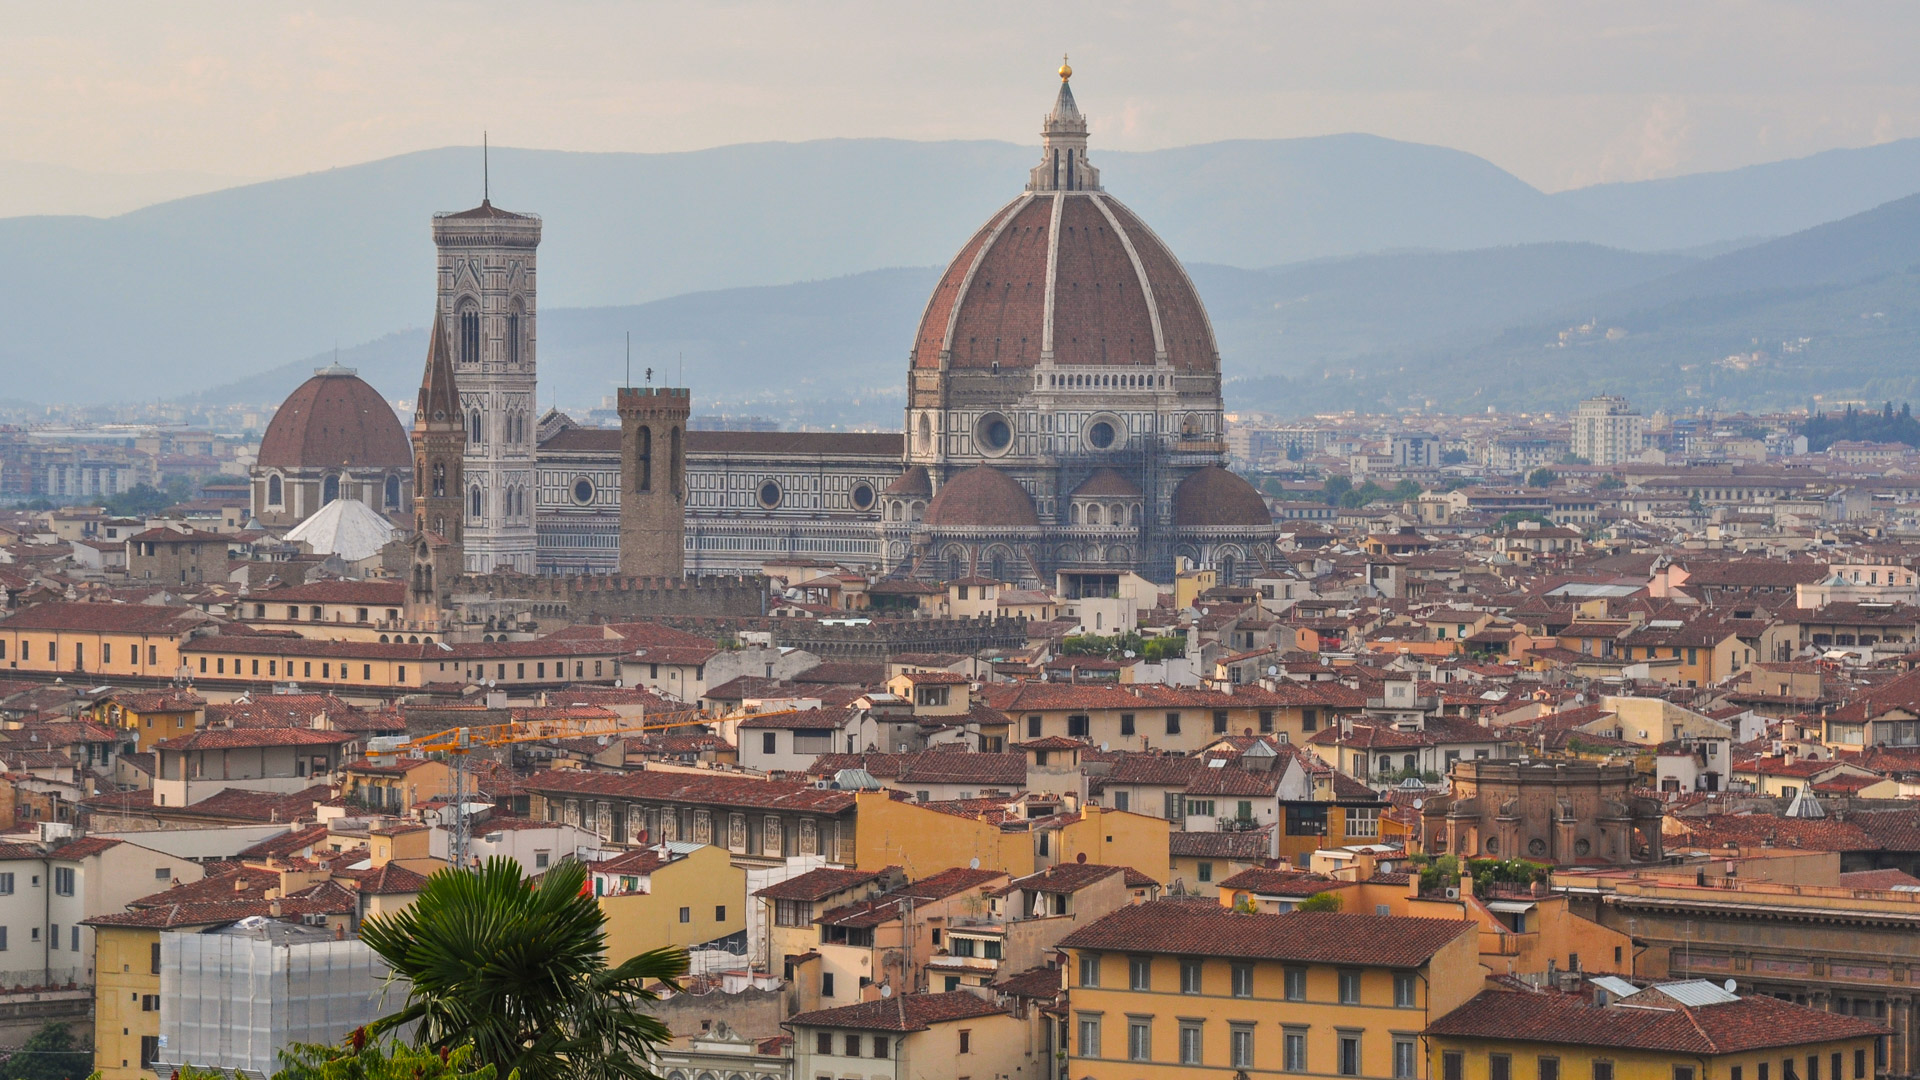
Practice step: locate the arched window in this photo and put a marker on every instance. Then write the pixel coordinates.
(643, 459)
(469, 332)
(926, 433)
(998, 565)
(514, 322)
(956, 565)
(393, 492)
(275, 496)
(473, 427)
(439, 480)
(1228, 564)
(329, 490)
(473, 502)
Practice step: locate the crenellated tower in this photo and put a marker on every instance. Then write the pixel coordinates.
(653, 480)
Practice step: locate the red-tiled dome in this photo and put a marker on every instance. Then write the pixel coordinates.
(335, 419)
(1214, 496)
(914, 481)
(1119, 296)
(1106, 484)
(981, 497)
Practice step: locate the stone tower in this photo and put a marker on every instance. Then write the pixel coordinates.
(486, 292)
(439, 467)
(653, 480)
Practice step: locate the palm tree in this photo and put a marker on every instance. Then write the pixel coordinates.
(518, 969)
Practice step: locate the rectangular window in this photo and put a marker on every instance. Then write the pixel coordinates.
(6, 884)
(881, 1048)
(966, 1041)
(1243, 980)
(1296, 984)
(850, 1045)
(1833, 1063)
(1219, 721)
(1403, 990)
(1126, 722)
(1499, 1067)
(1453, 1065)
(1603, 1070)
(1266, 721)
(53, 939)
(686, 914)
(153, 956)
(1859, 1065)
(1685, 1072)
(1139, 1040)
(1240, 1046)
(1089, 970)
(1139, 973)
(1089, 1036)
(1033, 727)
(826, 984)
(1189, 1042)
(1349, 1062)
(766, 742)
(823, 1042)
(1189, 976)
(1349, 988)
(63, 880)
(1294, 1047)
(1550, 1069)
(1173, 723)
(1404, 1058)
(720, 913)
(1813, 1060)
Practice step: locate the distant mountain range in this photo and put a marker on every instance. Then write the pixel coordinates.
(1388, 254)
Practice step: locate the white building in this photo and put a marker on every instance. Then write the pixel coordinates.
(48, 889)
(1607, 431)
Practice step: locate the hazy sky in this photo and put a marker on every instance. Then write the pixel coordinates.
(1562, 94)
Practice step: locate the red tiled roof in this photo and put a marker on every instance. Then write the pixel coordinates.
(1219, 845)
(692, 788)
(1207, 929)
(383, 592)
(1282, 882)
(1064, 878)
(1659, 1024)
(121, 618)
(903, 1012)
(816, 885)
(251, 738)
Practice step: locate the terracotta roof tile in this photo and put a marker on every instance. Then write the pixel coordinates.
(1207, 929)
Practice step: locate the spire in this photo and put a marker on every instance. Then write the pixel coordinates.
(439, 399)
(1063, 145)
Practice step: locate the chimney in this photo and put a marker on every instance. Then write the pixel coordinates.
(1466, 884)
(273, 908)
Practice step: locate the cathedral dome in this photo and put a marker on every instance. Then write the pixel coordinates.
(1065, 270)
(981, 497)
(1215, 497)
(335, 420)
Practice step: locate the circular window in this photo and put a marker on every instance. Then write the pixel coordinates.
(1493, 845)
(862, 496)
(1536, 846)
(1582, 848)
(583, 491)
(1100, 435)
(769, 494)
(994, 433)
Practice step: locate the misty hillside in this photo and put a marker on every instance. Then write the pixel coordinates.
(221, 287)
(1832, 311)
(834, 352)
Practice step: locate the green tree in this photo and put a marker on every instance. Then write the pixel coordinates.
(1542, 477)
(1336, 487)
(518, 969)
(1320, 901)
(51, 1053)
(361, 1058)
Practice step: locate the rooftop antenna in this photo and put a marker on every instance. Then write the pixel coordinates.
(486, 178)
(683, 369)
(629, 358)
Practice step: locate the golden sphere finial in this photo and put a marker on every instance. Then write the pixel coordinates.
(1066, 70)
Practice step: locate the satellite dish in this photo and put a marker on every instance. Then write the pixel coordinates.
(974, 863)
(1273, 669)
(886, 991)
(1419, 804)
(1730, 985)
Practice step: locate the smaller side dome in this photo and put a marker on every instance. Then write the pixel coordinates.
(1214, 497)
(914, 481)
(1106, 484)
(981, 497)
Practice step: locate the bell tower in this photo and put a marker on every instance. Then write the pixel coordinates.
(486, 292)
(439, 471)
(653, 480)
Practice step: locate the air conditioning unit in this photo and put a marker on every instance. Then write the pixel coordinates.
(1453, 894)
(314, 918)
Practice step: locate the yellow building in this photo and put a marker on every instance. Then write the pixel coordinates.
(1676, 1031)
(398, 784)
(657, 896)
(1160, 990)
(790, 907)
(98, 639)
(152, 715)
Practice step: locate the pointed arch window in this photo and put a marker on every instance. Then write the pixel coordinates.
(469, 332)
(474, 427)
(643, 459)
(473, 502)
(678, 465)
(329, 489)
(439, 480)
(515, 320)
(276, 495)
(393, 492)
